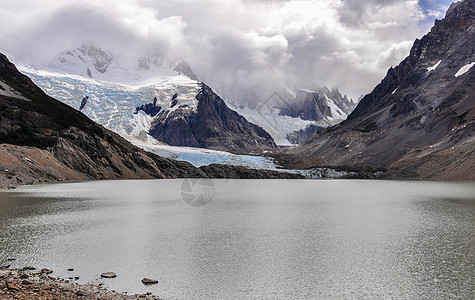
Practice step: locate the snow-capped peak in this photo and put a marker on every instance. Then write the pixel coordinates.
(92, 61)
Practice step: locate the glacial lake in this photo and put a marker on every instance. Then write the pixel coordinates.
(250, 239)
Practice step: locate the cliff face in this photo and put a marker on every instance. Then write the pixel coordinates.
(45, 140)
(420, 118)
(211, 125)
(319, 105)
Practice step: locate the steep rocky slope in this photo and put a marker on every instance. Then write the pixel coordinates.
(211, 125)
(45, 140)
(420, 119)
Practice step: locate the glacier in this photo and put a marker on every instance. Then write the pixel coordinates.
(113, 105)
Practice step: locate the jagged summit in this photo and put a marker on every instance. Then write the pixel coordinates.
(321, 104)
(209, 124)
(91, 56)
(292, 115)
(420, 118)
(92, 61)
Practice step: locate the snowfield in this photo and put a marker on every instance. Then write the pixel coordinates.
(277, 126)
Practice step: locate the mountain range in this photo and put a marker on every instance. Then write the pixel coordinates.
(43, 139)
(186, 111)
(115, 85)
(417, 123)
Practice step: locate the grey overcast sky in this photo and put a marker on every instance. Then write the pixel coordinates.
(234, 45)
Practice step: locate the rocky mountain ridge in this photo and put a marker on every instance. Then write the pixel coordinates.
(211, 125)
(420, 118)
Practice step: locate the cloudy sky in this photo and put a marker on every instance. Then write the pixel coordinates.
(234, 45)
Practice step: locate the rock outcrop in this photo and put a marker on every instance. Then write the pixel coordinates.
(210, 125)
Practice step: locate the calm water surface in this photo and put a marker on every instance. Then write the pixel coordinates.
(264, 239)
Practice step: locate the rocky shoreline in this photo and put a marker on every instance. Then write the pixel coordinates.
(31, 284)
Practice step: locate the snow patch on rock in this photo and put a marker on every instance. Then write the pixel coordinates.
(464, 69)
(430, 69)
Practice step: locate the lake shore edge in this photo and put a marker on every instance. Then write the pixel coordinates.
(24, 284)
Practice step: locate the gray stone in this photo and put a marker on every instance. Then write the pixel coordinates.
(108, 275)
(149, 281)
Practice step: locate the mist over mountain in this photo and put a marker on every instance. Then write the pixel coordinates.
(93, 61)
(148, 100)
(292, 115)
(240, 48)
(421, 118)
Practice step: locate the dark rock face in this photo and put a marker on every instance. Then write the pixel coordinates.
(83, 102)
(420, 118)
(151, 109)
(315, 106)
(212, 125)
(12, 77)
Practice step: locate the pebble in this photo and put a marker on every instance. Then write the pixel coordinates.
(149, 281)
(12, 286)
(108, 275)
(79, 293)
(70, 270)
(46, 271)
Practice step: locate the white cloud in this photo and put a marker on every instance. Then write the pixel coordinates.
(234, 45)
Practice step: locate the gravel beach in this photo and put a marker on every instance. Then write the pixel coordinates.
(38, 285)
